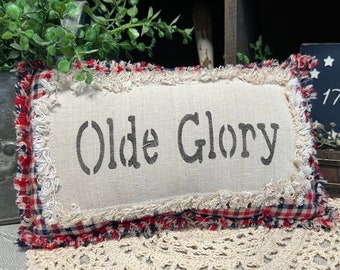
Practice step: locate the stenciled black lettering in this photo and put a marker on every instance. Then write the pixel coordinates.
(233, 135)
(199, 143)
(100, 135)
(78, 143)
(270, 144)
(113, 163)
(132, 138)
(121, 151)
(212, 154)
(96, 127)
(148, 144)
(245, 128)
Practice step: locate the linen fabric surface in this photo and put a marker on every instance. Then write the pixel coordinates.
(144, 148)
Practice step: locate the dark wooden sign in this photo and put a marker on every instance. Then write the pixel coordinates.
(326, 81)
(326, 108)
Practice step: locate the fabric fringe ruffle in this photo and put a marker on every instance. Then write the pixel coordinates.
(50, 237)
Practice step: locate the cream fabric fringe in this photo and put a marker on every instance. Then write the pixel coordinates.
(249, 248)
(47, 176)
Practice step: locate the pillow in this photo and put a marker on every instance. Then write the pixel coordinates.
(144, 148)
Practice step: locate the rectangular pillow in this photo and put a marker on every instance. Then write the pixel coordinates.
(144, 148)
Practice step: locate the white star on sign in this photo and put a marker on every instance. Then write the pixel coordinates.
(328, 61)
(314, 74)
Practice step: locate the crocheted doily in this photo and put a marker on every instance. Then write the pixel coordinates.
(249, 248)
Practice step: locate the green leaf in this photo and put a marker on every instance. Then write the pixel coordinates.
(150, 33)
(12, 26)
(24, 43)
(80, 76)
(70, 36)
(59, 7)
(29, 33)
(16, 46)
(100, 20)
(134, 20)
(32, 50)
(153, 42)
(90, 35)
(106, 37)
(121, 12)
(64, 41)
(64, 65)
(145, 29)
(133, 2)
(59, 32)
(5, 67)
(13, 11)
(168, 33)
(72, 9)
(50, 34)
(107, 47)
(150, 53)
(51, 50)
(114, 45)
(89, 78)
(155, 15)
(32, 14)
(103, 8)
(188, 32)
(81, 33)
(52, 15)
(175, 20)
(133, 33)
(141, 47)
(50, 61)
(126, 45)
(243, 58)
(36, 27)
(7, 35)
(13, 54)
(160, 34)
(21, 3)
(88, 51)
(66, 51)
(37, 39)
(150, 12)
(132, 12)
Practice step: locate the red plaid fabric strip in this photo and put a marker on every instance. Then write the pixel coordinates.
(282, 211)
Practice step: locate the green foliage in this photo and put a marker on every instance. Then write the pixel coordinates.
(260, 51)
(35, 29)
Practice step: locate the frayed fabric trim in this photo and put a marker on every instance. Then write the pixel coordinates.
(288, 189)
(46, 175)
(33, 211)
(149, 226)
(291, 190)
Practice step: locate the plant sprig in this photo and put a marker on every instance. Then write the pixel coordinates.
(261, 52)
(36, 29)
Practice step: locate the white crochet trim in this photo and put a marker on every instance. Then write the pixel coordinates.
(292, 190)
(246, 248)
